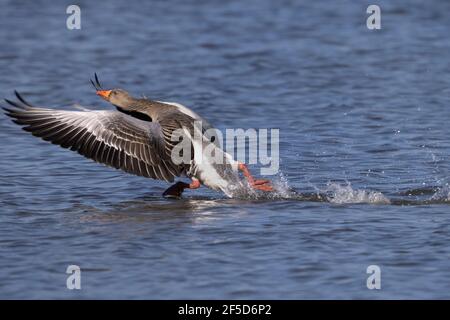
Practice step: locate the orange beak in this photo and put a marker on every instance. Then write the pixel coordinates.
(104, 93)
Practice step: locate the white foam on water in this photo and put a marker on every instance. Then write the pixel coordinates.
(242, 189)
(281, 187)
(442, 194)
(333, 193)
(342, 194)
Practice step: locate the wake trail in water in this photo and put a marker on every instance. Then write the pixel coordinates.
(340, 194)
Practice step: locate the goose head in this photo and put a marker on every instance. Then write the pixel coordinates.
(118, 97)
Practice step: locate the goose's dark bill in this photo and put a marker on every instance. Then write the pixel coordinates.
(108, 137)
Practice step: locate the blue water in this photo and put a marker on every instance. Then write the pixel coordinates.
(365, 144)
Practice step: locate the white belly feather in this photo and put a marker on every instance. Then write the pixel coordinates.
(222, 176)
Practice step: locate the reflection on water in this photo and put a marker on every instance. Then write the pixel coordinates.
(198, 209)
(154, 209)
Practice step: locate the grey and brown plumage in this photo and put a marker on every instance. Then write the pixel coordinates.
(135, 138)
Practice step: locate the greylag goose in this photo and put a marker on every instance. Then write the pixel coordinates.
(136, 138)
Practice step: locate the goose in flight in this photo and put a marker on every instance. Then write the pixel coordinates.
(137, 138)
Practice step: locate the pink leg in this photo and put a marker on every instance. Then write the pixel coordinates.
(259, 184)
(177, 189)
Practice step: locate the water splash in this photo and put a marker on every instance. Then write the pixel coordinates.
(342, 194)
(442, 194)
(336, 193)
(242, 190)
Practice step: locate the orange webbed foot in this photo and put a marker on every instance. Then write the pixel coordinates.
(263, 187)
(258, 182)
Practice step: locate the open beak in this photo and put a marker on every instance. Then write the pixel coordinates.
(104, 93)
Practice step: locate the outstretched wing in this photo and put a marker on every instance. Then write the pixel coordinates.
(108, 137)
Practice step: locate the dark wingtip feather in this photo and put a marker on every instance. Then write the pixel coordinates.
(22, 99)
(93, 84)
(96, 79)
(15, 104)
(8, 111)
(17, 121)
(96, 84)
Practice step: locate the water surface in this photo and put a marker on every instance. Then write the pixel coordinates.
(363, 118)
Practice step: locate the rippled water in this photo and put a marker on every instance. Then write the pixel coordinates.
(363, 118)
